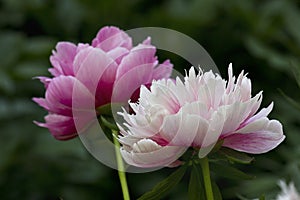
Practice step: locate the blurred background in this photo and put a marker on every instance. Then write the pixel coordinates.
(261, 37)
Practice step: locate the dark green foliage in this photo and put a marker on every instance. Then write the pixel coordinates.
(165, 186)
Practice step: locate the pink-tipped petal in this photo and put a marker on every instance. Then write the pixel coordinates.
(256, 140)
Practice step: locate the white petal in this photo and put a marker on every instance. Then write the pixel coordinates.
(150, 154)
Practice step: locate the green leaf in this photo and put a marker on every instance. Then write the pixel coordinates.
(163, 187)
(236, 156)
(216, 191)
(229, 172)
(196, 188)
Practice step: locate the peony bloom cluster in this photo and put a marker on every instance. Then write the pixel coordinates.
(174, 115)
(109, 70)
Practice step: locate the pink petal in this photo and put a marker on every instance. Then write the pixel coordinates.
(163, 70)
(138, 56)
(125, 86)
(111, 37)
(44, 80)
(41, 102)
(61, 127)
(60, 97)
(117, 54)
(96, 70)
(257, 141)
(147, 41)
(62, 59)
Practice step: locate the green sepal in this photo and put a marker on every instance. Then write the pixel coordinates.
(227, 171)
(162, 188)
(236, 156)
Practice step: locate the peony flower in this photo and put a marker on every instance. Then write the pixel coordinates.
(109, 70)
(288, 192)
(172, 116)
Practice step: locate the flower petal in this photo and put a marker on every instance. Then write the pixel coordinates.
(60, 97)
(141, 55)
(118, 54)
(62, 59)
(163, 70)
(265, 136)
(111, 37)
(96, 70)
(126, 85)
(146, 153)
(61, 127)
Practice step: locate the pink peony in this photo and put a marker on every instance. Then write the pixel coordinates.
(174, 115)
(109, 70)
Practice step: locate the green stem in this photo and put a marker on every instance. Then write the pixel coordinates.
(206, 176)
(121, 171)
